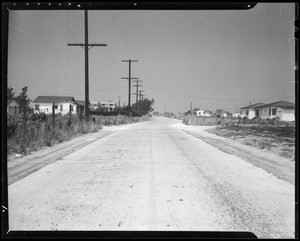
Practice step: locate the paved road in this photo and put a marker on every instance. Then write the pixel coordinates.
(152, 176)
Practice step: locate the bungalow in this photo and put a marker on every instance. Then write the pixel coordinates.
(62, 104)
(236, 115)
(283, 109)
(12, 108)
(110, 105)
(251, 111)
(206, 113)
(226, 114)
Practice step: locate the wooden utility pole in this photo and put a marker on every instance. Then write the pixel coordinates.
(137, 93)
(119, 101)
(129, 81)
(53, 115)
(86, 47)
(140, 95)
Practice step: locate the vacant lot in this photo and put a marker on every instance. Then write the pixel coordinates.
(278, 139)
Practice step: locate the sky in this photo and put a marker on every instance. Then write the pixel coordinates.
(214, 59)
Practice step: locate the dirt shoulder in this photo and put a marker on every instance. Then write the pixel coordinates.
(271, 162)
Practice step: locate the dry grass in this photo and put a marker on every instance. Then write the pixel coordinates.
(207, 121)
(279, 139)
(25, 136)
(267, 134)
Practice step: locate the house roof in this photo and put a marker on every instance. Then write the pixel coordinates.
(254, 106)
(53, 99)
(282, 104)
(11, 101)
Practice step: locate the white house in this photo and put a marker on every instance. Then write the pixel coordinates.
(283, 109)
(236, 115)
(12, 108)
(62, 104)
(251, 111)
(206, 113)
(110, 105)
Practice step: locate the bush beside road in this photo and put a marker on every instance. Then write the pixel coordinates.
(25, 135)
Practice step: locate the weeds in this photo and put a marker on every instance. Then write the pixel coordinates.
(208, 121)
(30, 132)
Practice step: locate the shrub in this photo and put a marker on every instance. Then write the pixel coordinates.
(30, 131)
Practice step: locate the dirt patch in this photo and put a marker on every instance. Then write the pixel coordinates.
(278, 139)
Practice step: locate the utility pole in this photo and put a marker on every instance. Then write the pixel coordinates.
(53, 114)
(119, 101)
(191, 108)
(140, 95)
(137, 93)
(86, 47)
(129, 81)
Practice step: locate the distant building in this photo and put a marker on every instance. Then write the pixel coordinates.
(62, 104)
(200, 112)
(218, 113)
(94, 105)
(226, 114)
(180, 114)
(251, 111)
(109, 105)
(236, 115)
(12, 108)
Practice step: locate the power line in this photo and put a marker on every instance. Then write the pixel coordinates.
(140, 72)
(96, 91)
(122, 34)
(202, 98)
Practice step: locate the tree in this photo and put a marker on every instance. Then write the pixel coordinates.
(144, 106)
(23, 101)
(10, 93)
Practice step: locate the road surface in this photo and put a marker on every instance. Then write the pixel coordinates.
(151, 176)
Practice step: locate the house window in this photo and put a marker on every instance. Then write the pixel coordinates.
(270, 111)
(36, 107)
(256, 113)
(274, 111)
(61, 107)
(247, 112)
(56, 106)
(71, 108)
